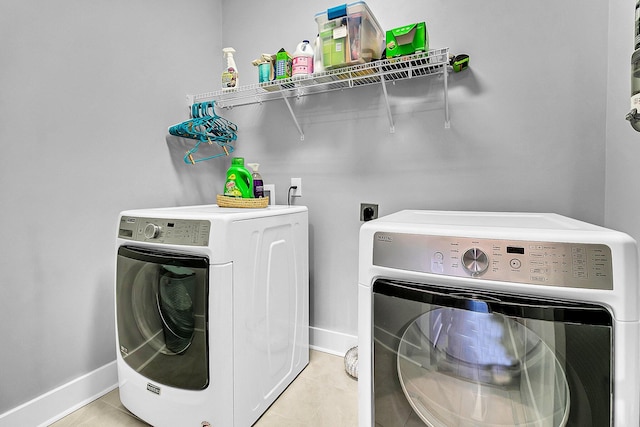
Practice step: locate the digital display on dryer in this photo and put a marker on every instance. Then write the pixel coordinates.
(515, 250)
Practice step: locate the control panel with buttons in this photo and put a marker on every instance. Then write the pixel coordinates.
(186, 232)
(580, 265)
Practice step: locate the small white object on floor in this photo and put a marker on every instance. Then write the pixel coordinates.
(351, 362)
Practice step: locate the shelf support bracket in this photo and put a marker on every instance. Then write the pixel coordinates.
(445, 73)
(293, 116)
(392, 128)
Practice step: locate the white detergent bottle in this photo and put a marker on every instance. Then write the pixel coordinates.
(302, 63)
(230, 72)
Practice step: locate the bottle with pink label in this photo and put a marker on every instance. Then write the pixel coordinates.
(302, 63)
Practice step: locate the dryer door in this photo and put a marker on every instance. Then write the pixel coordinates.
(457, 357)
(161, 307)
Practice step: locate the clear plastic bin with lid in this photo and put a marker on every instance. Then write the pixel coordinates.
(349, 35)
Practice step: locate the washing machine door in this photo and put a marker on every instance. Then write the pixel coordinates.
(161, 308)
(456, 357)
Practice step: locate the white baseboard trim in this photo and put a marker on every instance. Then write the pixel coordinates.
(60, 402)
(332, 342)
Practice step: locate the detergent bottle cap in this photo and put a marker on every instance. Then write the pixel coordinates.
(254, 166)
(237, 161)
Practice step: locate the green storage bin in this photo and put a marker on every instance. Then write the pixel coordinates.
(407, 40)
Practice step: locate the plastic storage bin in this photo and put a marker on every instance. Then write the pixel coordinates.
(407, 40)
(349, 35)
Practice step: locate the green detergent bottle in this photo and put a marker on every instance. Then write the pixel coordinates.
(239, 182)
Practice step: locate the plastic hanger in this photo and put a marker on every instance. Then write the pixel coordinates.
(206, 126)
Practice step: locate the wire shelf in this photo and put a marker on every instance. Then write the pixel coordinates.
(433, 62)
(405, 67)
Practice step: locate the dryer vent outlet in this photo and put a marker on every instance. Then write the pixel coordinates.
(368, 211)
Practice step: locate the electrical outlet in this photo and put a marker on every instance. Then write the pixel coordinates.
(296, 182)
(368, 211)
(270, 191)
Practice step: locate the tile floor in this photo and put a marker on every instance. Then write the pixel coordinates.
(323, 395)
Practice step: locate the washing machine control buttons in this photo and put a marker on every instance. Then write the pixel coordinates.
(546, 263)
(475, 261)
(515, 263)
(171, 231)
(437, 263)
(151, 231)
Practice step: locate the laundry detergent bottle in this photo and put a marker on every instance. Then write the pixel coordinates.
(258, 184)
(302, 63)
(239, 182)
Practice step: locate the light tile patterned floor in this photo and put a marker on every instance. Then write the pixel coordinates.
(323, 395)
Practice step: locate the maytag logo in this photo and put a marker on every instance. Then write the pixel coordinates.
(153, 388)
(384, 238)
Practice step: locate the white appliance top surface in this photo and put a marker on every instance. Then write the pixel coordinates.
(214, 211)
(550, 254)
(200, 225)
(463, 219)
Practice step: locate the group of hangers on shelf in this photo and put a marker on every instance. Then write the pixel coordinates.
(206, 126)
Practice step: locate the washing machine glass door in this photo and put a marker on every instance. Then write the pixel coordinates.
(161, 306)
(456, 357)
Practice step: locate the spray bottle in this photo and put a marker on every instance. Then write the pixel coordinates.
(230, 72)
(258, 184)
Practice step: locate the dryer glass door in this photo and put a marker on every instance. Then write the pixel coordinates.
(161, 306)
(456, 357)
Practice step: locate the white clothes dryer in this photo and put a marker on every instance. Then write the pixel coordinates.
(497, 319)
(212, 311)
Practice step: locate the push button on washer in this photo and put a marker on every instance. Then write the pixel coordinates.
(437, 265)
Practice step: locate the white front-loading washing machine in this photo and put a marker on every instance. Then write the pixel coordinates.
(497, 319)
(212, 311)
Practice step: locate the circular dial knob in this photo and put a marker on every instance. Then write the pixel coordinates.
(151, 231)
(475, 261)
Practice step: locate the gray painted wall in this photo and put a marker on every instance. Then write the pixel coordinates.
(88, 92)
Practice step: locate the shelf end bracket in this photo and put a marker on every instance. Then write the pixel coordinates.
(293, 116)
(447, 121)
(392, 128)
